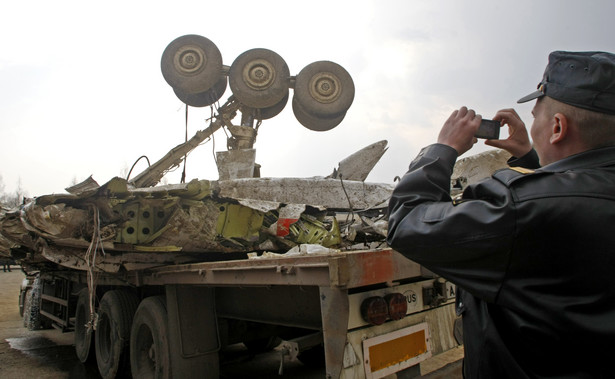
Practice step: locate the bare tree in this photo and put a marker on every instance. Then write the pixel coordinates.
(12, 200)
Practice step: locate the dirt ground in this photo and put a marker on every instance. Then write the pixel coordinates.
(32, 354)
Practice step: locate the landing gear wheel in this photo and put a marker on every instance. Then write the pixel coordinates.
(324, 89)
(311, 122)
(272, 111)
(191, 64)
(203, 99)
(149, 342)
(112, 335)
(259, 78)
(84, 339)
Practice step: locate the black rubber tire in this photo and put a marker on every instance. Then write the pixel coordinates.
(324, 89)
(27, 304)
(259, 78)
(206, 98)
(149, 340)
(272, 111)
(32, 310)
(262, 345)
(191, 64)
(112, 336)
(318, 124)
(84, 338)
(314, 357)
(22, 301)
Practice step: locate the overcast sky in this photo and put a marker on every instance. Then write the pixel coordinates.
(81, 92)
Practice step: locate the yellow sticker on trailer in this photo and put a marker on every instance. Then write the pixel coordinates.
(395, 351)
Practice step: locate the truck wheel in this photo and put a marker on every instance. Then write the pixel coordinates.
(112, 335)
(259, 78)
(27, 305)
(84, 340)
(262, 345)
(32, 310)
(314, 357)
(149, 342)
(324, 89)
(22, 302)
(23, 293)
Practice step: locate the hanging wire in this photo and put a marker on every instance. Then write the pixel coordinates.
(213, 138)
(92, 276)
(134, 164)
(347, 198)
(183, 178)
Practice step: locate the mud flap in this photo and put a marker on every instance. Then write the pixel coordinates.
(193, 332)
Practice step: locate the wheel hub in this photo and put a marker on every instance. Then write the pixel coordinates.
(325, 87)
(258, 74)
(189, 59)
(151, 354)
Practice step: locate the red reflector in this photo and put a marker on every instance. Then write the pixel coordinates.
(397, 304)
(374, 310)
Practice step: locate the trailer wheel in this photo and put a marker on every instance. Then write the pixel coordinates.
(149, 341)
(262, 345)
(84, 340)
(22, 302)
(32, 309)
(112, 336)
(23, 293)
(27, 306)
(314, 357)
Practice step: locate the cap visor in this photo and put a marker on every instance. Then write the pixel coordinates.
(531, 96)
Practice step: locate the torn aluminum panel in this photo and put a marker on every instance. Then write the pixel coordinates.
(234, 164)
(357, 166)
(477, 167)
(134, 228)
(328, 193)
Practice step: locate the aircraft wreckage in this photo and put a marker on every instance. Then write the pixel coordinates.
(133, 224)
(130, 224)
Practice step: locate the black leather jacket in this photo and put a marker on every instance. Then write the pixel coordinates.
(534, 253)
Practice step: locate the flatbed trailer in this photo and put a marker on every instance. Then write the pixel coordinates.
(364, 314)
(178, 318)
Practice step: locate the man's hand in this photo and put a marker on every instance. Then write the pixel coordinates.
(518, 141)
(458, 131)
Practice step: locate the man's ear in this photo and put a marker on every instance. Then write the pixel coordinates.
(559, 128)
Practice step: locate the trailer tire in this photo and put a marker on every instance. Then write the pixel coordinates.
(32, 309)
(314, 357)
(23, 293)
(112, 336)
(262, 345)
(84, 338)
(25, 306)
(149, 340)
